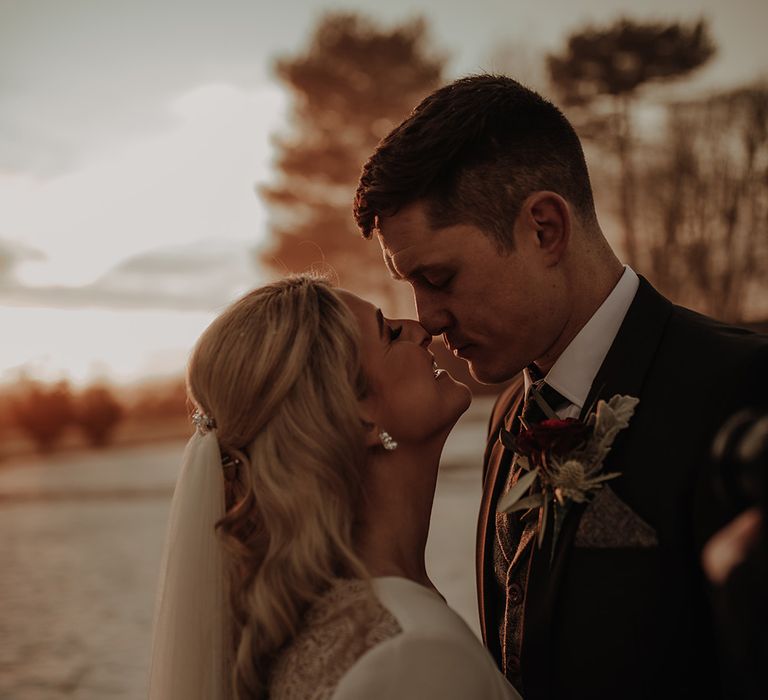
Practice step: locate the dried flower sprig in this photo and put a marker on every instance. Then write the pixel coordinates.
(562, 460)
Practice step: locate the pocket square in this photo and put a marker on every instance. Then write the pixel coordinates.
(608, 522)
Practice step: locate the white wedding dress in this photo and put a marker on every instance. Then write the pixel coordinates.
(391, 640)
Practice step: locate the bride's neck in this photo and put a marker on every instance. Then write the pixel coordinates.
(392, 538)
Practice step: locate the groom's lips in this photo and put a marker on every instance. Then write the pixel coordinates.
(456, 346)
(460, 350)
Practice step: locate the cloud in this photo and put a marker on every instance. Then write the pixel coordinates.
(12, 254)
(205, 276)
(195, 182)
(79, 77)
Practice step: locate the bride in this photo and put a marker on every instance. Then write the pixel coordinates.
(294, 564)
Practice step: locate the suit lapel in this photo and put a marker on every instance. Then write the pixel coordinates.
(622, 372)
(631, 353)
(498, 460)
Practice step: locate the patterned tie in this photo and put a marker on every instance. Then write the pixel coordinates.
(515, 535)
(542, 401)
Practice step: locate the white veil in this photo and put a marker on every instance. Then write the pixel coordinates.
(190, 657)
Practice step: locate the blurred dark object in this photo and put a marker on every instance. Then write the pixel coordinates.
(353, 83)
(736, 558)
(758, 326)
(97, 414)
(43, 412)
(740, 453)
(601, 72)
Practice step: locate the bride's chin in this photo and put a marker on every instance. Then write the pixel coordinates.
(460, 401)
(466, 398)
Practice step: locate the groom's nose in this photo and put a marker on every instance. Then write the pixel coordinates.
(432, 315)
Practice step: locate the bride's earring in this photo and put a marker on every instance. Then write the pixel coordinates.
(387, 441)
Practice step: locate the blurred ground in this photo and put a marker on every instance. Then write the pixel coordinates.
(80, 547)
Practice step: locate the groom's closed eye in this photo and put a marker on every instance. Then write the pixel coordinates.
(435, 275)
(437, 280)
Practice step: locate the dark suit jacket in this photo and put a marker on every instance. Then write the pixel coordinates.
(622, 611)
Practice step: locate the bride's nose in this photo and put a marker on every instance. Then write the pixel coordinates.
(417, 333)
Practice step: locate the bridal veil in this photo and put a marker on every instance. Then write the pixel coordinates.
(190, 657)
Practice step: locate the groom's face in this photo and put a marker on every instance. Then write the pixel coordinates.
(497, 310)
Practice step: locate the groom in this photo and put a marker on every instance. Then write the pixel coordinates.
(481, 201)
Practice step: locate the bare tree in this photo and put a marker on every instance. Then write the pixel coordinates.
(601, 73)
(43, 412)
(522, 59)
(98, 413)
(705, 204)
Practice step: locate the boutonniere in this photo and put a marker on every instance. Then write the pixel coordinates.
(562, 460)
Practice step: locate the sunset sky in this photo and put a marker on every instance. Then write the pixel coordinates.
(133, 135)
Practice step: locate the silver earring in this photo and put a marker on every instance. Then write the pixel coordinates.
(387, 441)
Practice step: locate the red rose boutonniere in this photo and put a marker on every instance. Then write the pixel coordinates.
(563, 460)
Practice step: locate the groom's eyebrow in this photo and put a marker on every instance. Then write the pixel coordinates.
(413, 272)
(380, 321)
(408, 273)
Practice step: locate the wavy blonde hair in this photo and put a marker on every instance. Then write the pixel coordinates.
(280, 373)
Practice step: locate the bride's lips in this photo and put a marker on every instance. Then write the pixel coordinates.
(437, 372)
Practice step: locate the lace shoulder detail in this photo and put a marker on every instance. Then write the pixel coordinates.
(338, 629)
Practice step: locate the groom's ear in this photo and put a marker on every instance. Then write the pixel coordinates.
(548, 216)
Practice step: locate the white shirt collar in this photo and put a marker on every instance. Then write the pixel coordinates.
(575, 370)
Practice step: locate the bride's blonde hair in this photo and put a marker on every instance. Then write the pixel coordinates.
(279, 371)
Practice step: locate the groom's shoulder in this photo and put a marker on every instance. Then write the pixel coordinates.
(702, 334)
(689, 334)
(706, 358)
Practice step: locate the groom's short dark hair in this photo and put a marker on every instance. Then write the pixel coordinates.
(473, 151)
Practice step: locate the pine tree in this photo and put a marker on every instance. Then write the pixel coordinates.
(351, 86)
(615, 63)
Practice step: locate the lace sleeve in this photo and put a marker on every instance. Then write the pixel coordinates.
(412, 668)
(340, 628)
